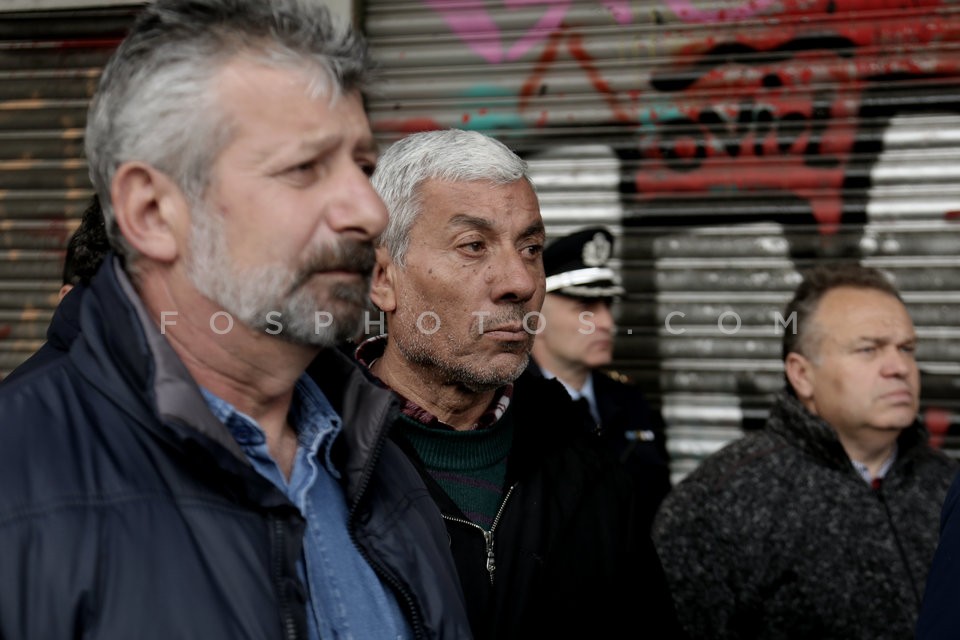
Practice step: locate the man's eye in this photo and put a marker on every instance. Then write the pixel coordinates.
(866, 350)
(533, 250)
(367, 167)
(303, 171)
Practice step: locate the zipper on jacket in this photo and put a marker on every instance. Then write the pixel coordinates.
(487, 535)
(416, 623)
(289, 626)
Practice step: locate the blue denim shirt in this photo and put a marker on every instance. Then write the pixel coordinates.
(346, 598)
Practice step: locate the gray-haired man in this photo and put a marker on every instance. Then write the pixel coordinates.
(203, 464)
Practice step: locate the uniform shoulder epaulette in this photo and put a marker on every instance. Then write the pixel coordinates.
(616, 375)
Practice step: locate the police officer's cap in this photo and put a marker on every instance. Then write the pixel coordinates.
(578, 265)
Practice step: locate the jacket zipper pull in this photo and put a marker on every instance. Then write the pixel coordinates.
(491, 562)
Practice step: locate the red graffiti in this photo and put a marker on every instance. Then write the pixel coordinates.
(774, 110)
(574, 42)
(405, 126)
(938, 423)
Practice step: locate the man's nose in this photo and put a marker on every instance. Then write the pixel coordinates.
(356, 208)
(602, 316)
(515, 278)
(897, 362)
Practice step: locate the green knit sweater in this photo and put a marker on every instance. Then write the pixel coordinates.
(470, 466)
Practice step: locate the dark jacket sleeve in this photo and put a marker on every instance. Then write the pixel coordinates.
(939, 614)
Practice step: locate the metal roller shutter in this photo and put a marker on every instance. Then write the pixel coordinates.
(49, 66)
(729, 143)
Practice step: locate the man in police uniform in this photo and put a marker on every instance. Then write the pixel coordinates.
(576, 339)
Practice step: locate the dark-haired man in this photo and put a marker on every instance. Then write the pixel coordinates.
(823, 523)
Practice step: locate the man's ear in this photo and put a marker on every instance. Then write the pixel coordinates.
(382, 287)
(150, 210)
(800, 373)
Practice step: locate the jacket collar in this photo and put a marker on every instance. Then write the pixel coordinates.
(121, 351)
(810, 433)
(367, 410)
(65, 323)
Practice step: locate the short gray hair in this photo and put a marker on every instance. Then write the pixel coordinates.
(452, 155)
(156, 103)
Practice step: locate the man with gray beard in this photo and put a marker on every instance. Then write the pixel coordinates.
(203, 463)
(540, 519)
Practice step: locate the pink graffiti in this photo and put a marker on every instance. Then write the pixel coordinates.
(685, 10)
(620, 10)
(471, 21)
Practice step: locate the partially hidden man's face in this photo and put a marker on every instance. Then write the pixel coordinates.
(465, 304)
(576, 332)
(285, 233)
(863, 372)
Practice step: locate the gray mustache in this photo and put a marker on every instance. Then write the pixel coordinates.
(348, 255)
(351, 256)
(510, 315)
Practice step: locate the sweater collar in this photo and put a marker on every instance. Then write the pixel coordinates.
(372, 349)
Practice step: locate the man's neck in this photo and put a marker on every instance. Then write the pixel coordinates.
(252, 370)
(572, 374)
(452, 404)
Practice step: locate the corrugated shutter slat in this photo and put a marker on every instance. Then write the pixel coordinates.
(49, 66)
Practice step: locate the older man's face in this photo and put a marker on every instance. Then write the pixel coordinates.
(862, 374)
(285, 235)
(470, 290)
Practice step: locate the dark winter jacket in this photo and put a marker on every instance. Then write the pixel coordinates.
(63, 329)
(778, 536)
(571, 557)
(634, 434)
(128, 511)
(940, 615)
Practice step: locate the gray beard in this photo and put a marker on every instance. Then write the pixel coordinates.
(263, 296)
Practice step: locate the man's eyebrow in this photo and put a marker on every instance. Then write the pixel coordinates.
(886, 339)
(535, 229)
(466, 220)
(304, 146)
(327, 142)
(318, 144)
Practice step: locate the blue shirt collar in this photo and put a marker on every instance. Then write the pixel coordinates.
(314, 419)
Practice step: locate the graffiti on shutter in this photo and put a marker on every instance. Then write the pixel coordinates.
(730, 144)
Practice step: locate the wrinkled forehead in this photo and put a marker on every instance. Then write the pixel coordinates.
(482, 205)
